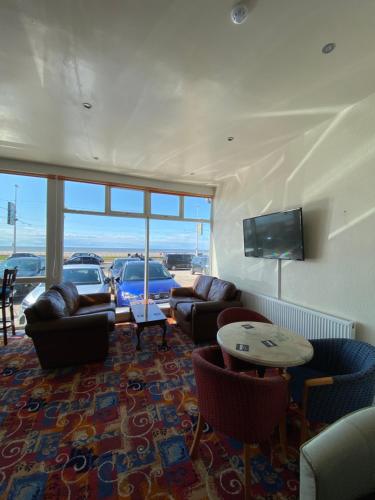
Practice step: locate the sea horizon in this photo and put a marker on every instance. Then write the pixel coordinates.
(101, 250)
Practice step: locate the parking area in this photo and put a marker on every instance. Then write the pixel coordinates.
(183, 277)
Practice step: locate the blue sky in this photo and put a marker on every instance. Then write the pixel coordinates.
(98, 231)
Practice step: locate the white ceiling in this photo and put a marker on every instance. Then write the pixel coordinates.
(170, 80)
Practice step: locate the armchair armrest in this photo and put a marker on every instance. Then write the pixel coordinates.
(184, 291)
(94, 299)
(87, 321)
(214, 306)
(313, 382)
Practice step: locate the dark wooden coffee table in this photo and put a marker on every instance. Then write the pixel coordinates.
(145, 315)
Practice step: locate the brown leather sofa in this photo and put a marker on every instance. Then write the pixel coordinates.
(196, 308)
(68, 328)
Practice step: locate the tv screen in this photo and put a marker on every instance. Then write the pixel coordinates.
(275, 236)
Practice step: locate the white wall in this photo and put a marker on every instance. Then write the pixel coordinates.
(330, 172)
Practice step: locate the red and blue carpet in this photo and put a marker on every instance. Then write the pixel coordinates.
(120, 429)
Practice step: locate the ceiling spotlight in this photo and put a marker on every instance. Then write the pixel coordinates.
(239, 13)
(87, 105)
(230, 138)
(328, 47)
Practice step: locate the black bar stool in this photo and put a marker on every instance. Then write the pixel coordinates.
(6, 296)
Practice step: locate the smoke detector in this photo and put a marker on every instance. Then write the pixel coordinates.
(239, 13)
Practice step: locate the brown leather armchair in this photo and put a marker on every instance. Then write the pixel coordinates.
(196, 308)
(68, 328)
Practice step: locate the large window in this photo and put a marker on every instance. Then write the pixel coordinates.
(23, 202)
(183, 247)
(105, 228)
(127, 200)
(85, 197)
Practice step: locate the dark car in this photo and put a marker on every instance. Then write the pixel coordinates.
(131, 283)
(200, 264)
(84, 260)
(178, 260)
(115, 269)
(26, 267)
(87, 254)
(22, 254)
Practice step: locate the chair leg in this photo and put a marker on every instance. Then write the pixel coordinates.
(12, 318)
(5, 337)
(197, 437)
(247, 472)
(283, 438)
(304, 430)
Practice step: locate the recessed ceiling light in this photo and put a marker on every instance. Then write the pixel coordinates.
(87, 105)
(230, 138)
(239, 13)
(328, 47)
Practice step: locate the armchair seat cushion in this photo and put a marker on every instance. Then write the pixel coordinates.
(105, 307)
(184, 309)
(174, 301)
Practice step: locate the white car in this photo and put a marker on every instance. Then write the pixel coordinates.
(88, 278)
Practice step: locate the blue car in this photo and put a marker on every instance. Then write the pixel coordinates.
(130, 285)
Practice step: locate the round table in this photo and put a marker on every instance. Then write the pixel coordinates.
(264, 344)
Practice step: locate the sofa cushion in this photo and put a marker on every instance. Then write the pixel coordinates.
(185, 308)
(110, 307)
(174, 301)
(202, 286)
(50, 305)
(221, 290)
(70, 294)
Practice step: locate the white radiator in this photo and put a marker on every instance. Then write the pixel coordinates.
(307, 322)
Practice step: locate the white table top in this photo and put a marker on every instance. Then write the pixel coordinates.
(265, 344)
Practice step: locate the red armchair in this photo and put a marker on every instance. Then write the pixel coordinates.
(232, 315)
(243, 407)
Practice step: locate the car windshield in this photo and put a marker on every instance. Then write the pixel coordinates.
(136, 272)
(24, 264)
(82, 276)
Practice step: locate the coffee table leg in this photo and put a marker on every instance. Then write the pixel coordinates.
(164, 343)
(139, 331)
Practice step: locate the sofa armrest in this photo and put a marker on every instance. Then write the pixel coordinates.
(93, 299)
(184, 291)
(87, 321)
(213, 306)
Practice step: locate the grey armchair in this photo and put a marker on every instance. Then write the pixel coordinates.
(339, 463)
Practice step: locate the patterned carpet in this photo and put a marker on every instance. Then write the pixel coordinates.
(120, 429)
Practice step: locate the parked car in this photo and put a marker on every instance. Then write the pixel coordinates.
(177, 261)
(88, 279)
(26, 267)
(200, 264)
(87, 254)
(115, 269)
(131, 283)
(85, 259)
(22, 254)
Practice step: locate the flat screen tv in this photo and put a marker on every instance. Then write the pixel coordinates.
(275, 236)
